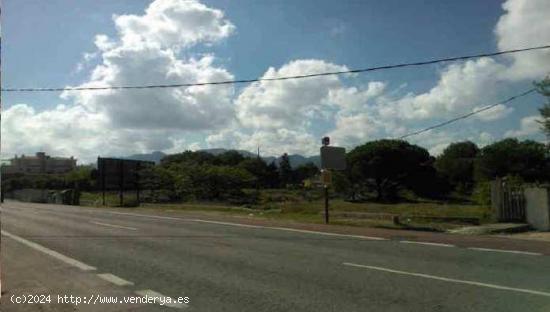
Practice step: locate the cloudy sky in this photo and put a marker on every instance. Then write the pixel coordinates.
(63, 43)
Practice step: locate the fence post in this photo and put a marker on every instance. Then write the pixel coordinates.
(496, 199)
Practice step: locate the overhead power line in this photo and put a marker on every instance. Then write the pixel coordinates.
(352, 71)
(475, 112)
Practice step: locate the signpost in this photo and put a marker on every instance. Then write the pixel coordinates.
(120, 174)
(332, 158)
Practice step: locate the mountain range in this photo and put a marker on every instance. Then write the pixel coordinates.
(295, 159)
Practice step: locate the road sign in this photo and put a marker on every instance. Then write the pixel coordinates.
(333, 157)
(121, 175)
(326, 177)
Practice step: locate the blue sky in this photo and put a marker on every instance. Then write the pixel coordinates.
(44, 44)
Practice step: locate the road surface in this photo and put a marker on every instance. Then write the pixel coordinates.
(228, 266)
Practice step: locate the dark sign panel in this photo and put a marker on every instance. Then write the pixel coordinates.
(120, 174)
(333, 157)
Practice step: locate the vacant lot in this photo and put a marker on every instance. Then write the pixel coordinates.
(309, 207)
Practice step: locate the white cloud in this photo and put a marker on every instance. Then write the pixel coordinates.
(280, 116)
(528, 126)
(75, 131)
(118, 122)
(287, 103)
(146, 53)
(354, 99)
(174, 24)
(460, 88)
(526, 23)
(354, 129)
(270, 141)
(497, 112)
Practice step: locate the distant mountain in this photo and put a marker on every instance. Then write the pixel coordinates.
(295, 159)
(154, 156)
(218, 151)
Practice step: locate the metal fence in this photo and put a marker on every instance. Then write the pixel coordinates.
(507, 201)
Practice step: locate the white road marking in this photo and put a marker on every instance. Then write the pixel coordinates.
(451, 280)
(153, 294)
(115, 226)
(114, 279)
(427, 243)
(50, 252)
(251, 226)
(328, 233)
(507, 251)
(226, 223)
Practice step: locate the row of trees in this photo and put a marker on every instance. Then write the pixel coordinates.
(381, 169)
(80, 178)
(386, 167)
(204, 176)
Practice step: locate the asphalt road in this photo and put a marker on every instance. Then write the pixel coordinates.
(231, 267)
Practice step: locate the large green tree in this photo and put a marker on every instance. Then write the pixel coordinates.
(456, 163)
(266, 175)
(510, 157)
(385, 166)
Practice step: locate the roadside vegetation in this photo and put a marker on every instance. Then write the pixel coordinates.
(384, 179)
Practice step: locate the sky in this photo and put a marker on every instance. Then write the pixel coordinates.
(63, 43)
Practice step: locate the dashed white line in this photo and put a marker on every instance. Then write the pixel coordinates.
(507, 251)
(251, 226)
(328, 233)
(50, 252)
(451, 280)
(114, 226)
(114, 279)
(153, 294)
(427, 243)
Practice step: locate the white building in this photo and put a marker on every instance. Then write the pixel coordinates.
(39, 164)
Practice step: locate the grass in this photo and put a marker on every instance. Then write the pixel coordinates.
(291, 206)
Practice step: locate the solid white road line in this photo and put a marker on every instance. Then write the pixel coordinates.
(115, 226)
(114, 279)
(507, 251)
(250, 226)
(153, 294)
(427, 243)
(451, 280)
(50, 252)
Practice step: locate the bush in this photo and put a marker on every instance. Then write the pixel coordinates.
(482, 193)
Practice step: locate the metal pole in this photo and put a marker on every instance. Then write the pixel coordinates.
(121, 195)
(102, 177)
(326, 204)
(138, 168)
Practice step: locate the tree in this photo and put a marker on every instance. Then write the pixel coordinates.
(285, 170)
(260, 170)
(385, 166)
(304, 171)
(81, 176)
(229, 158)
(543, 88)
(222, 182)
(273, 175)
(526, 159)
(456, 163)
(189, 157)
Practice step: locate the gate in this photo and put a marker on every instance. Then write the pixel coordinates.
(507, 201)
